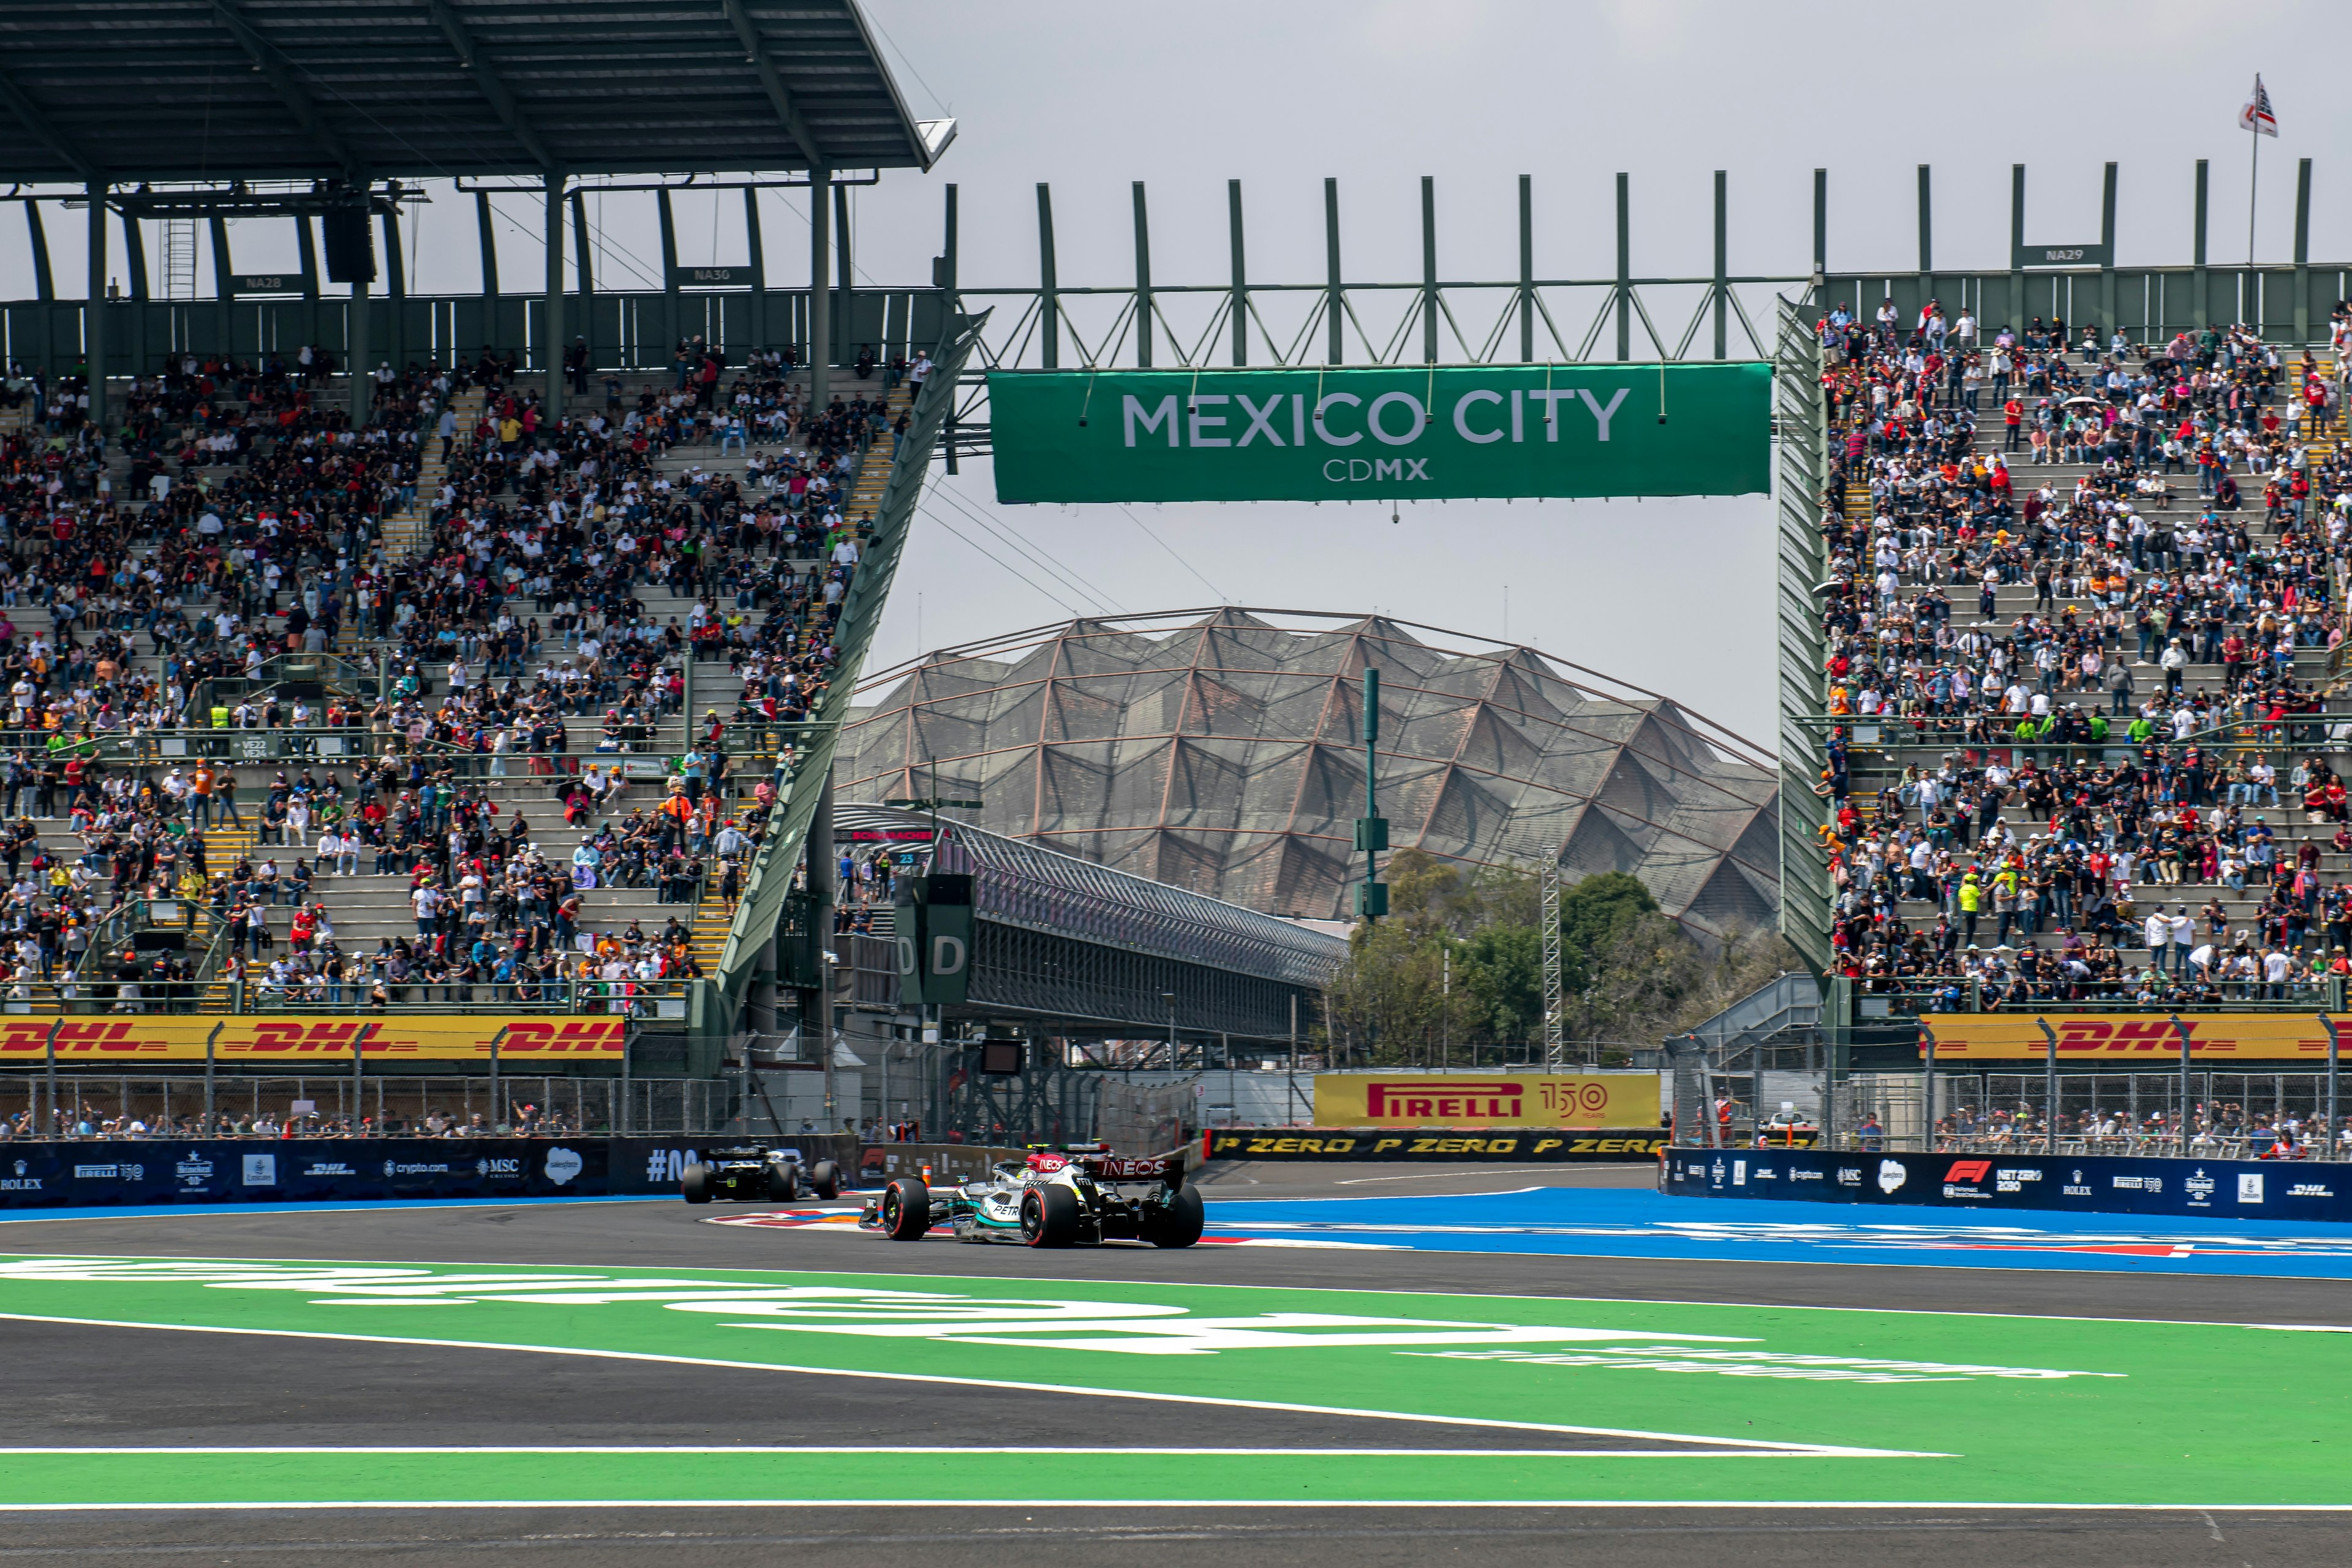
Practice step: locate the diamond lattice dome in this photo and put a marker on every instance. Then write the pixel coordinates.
(1221, 750)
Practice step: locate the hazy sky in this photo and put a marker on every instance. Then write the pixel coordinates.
(1671, 594)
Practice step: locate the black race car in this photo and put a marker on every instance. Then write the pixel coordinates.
(756, 1173)
(1072, 1195)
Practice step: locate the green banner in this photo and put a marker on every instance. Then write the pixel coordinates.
(1392, 434)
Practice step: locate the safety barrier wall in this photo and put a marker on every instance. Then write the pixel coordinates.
(2231, 1189)
(79, 1172)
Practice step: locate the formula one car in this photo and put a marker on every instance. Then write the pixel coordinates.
(1073, 1194)
(754, 1172)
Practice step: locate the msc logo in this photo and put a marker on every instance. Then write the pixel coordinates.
(1443, 1098)
(1969, 1171)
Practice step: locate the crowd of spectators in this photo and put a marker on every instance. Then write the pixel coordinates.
(2111, 714)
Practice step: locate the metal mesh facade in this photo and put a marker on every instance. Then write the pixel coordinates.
(1218, 750)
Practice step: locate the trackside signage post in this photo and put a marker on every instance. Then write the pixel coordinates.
(1479, 431)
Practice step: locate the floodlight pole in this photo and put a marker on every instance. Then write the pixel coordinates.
(2050, 1084)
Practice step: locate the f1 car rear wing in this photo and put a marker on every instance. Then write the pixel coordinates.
(1100, 1163)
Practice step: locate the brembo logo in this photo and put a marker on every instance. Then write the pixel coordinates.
(1447, 1099)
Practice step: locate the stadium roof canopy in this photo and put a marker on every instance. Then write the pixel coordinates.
(1217, 749)
(127, 90)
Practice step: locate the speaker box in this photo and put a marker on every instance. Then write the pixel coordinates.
(351, 249)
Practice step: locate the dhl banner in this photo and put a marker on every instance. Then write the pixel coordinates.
(2123, 1037)
(258, 1039)
(1498, 1099)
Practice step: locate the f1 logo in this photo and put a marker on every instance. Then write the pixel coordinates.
(1969, 1171)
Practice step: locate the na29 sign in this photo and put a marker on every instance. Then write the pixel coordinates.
(1390, 433)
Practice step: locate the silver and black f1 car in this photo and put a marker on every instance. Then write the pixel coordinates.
(755, 1172)
(1073, 1194)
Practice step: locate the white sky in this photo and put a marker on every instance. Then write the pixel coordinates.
(1670, 595)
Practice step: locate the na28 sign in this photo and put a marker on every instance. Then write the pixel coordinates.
(1389, 434)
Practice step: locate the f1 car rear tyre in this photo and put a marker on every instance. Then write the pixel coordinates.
(906, 1210)
(1049, 1217)
(825, 1180)
(783, 1183)
(694, 1184)
(1180, 1224)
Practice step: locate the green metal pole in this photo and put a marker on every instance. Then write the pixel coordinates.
(1334, 293)
(673, 308)
(2108, 268)
(1528, 269)
(2016, 244)
(581, 259)
(486, 226)
(2303, 252)
(44, 282)
(820, 318)
(1722, 265)
(556, 336)
(1371, 832)
(2204, 285)
(758, 260)
(1049, 300)
(1625, 268)
(1428, 269)
(1241, 278)
(94, 328)
(1143, 281)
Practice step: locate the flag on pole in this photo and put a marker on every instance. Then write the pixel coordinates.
(2256, 116)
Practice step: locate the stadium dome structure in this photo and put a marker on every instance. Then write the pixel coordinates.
(1221, 750)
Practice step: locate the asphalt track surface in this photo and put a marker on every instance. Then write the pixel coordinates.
(72, 1385)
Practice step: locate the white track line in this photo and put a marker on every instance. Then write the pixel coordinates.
(1750, 1505)
(1807, 1450)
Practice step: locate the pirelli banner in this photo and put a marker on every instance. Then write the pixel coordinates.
(2123, 1039)
(261, 1041)
(1444, 1146)
(1501, 1100)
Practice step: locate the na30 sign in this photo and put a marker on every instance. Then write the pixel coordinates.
(1381, 435)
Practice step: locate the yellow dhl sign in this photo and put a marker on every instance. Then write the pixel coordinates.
(28, 1042)
(2128, 1036)
(1501, 1100)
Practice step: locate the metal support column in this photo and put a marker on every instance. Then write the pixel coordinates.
(306, 255)
(395, 289)
(2335, 1047)
(224, 280)
(486, 241)
(580, 259)
(2303, 253)
(45, 280)
(819, 319)
(673, 310)
(2017, 248)
(1625, 268)
(94, 314)
(356, 355)
(1429, 270)
(1241, 271)
(1722, 265)
(1822, 229)
(759, 258)
(822, 894)
(1143, 281)
(2181, 1131)
(1927, 237)
(2050, 1085)
(1335, 294)
(2107, 240)
(553, 325)
(1049, 301)
(2196, 251)
(1555, 1024)
(845, 277)
(1927, 1092)
(1527, 267)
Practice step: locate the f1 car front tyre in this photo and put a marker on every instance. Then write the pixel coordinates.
(694, 1184)
(1179, 1223)
(825, 1180)
(783, 1183)
(1049, 1217)
(906, 1210)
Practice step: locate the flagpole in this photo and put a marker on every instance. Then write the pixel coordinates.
(2254, 179)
